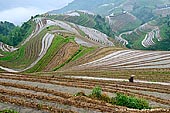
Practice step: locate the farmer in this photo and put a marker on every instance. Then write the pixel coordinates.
(131, 78)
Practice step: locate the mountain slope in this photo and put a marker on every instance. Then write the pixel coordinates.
(107, 7)
(47, 41)
(153, 35)
(123, 15)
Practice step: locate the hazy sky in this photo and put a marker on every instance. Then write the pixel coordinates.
(18, 11)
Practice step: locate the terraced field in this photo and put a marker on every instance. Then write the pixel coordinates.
(41, 40)
(7, 48)
(163, 12)
(123, 22)
(129, 59)
(151, 36)
(41, 93)
(77, 59)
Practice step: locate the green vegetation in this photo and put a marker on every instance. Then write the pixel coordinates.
(130, 26)
(131, 102)
(120, 99)
(81, 52)
(57, 43)
(144, 13)
(103, 26)
(8, 111)
(6, 28)
(13, 35)
(27, 53)
(92, 21)
(164, 45)
(97, 92)
(15, 55)
(135, 39)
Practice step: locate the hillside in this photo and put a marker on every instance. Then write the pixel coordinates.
(153, 35)
(123, 15)
(123, 22)
(58, 44)
(107, 7)
(14, 35)
(50, 40)
(86, 19)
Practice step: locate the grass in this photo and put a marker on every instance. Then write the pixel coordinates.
(83, 52)
(27, 53)
(15, 55)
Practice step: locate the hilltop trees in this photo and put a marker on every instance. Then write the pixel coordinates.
(13, 35)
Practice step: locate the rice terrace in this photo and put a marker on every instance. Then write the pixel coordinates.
(93, 56)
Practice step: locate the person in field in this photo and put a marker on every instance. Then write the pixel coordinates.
(131, 79)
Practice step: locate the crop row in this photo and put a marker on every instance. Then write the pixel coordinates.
(22, 102)
(107, 89)
(137, 86)
(82, 102)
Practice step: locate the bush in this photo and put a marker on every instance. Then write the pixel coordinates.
(8, 111)
(131, 102)
(96, 92)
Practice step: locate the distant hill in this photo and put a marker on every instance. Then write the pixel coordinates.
(142, 9)
(154, 35)
(125, 15)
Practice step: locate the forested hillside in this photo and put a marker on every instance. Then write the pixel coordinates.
(13, 35)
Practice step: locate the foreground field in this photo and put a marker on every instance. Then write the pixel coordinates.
(54, 93)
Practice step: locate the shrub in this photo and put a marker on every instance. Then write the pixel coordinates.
(131, 102)
(96, 92)
(8, 111)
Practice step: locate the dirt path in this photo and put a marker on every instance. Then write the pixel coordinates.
(113, 79)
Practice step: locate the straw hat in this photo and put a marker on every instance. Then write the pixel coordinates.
(132, 75)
